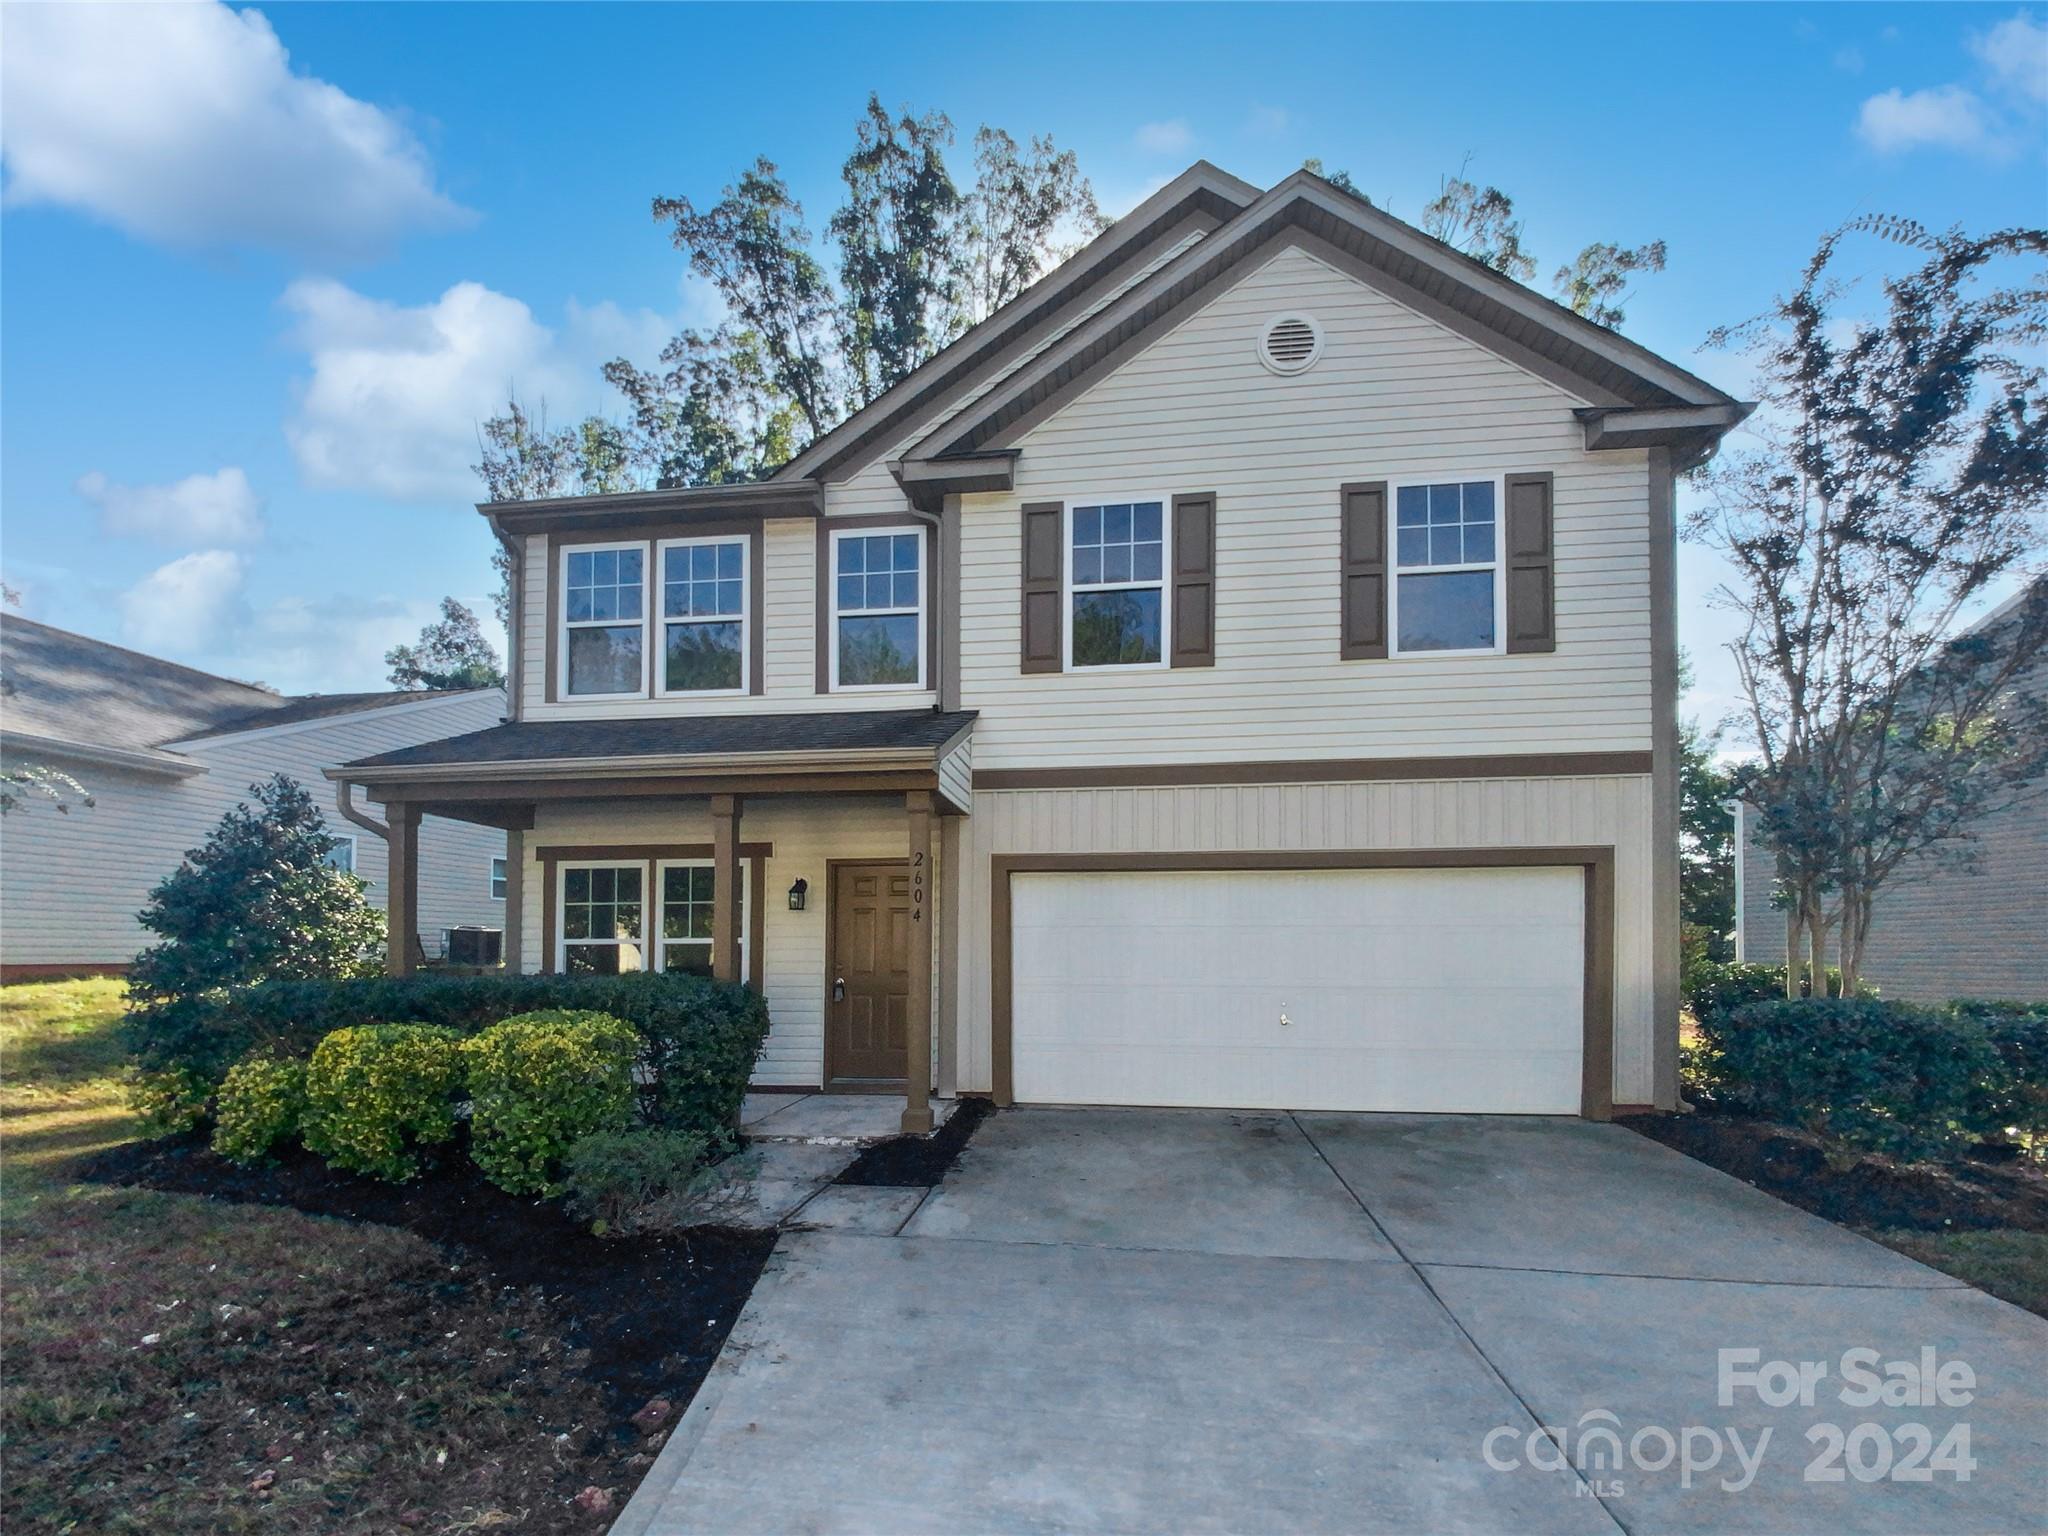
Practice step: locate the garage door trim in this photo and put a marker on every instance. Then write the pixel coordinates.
(1596, 1090)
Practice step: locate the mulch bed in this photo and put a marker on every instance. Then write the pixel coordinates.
(918, 1162)
(1859, 1190)
(652, 1311)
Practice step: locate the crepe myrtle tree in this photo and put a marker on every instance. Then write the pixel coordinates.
(257, 900)
(450, 653)
(1898, 481)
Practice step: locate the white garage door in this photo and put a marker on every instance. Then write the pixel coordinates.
(1451, 990)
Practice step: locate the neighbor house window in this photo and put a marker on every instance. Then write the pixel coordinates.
(604, 918)
(604, 590)
(1447, 577)
(878, 609)
(687, 890)
(342, 855)
(703, 616)
(1116, 575)
(497, 879)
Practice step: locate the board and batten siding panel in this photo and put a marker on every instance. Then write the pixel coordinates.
(1394, 395)
(73, 884)
(806, 834)
(1604, 811)
(788, 641)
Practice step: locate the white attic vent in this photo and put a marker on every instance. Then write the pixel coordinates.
(1290, 343)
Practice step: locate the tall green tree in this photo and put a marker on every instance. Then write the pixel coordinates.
(450, 653)
(895, 235)
(1706, 845)
(1900, 477)
(1028, 210)
(257, 900)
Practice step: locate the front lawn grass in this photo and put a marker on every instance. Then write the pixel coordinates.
(2013, 1266)
(179, 1365)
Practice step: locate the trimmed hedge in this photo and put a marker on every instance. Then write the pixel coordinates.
(539, 1083)
(1889, 1077)
(612, 1177)
(1712, 987)
(2013, 1106)
(699, 1037)
(376, 1092)
(262, 1102)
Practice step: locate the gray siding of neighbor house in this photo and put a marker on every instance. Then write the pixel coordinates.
(70, 886)
(1939, 931)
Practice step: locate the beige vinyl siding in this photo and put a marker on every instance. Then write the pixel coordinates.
(1608, 811)
(73, 884)
(956, 775)
(806, 834)
(1393, 396)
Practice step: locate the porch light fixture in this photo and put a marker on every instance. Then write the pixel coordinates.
(796, 896)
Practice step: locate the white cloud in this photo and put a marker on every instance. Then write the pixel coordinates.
(2015, 53)
(185, 124)
(220, 508)
(396, 392)
(1943, 116)
(1849, 60)
(1173, 137)
(186, 605)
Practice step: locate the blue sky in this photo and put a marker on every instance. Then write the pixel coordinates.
(263, 271)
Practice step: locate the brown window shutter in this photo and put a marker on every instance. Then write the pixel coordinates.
(1194, 580)
(1531, 565)
(1363, 634)
(1041, 567)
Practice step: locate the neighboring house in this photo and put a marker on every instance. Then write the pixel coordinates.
(1939, 930)
(1239, 672)
(165, 751)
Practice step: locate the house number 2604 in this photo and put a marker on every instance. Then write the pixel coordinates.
(917, 887)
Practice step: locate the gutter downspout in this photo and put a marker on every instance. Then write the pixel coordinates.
(345, 802)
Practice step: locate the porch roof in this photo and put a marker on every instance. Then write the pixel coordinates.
(548, 759)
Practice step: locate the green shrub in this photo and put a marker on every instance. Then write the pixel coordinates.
(2012, 1105)
(700, 1037)
(1720, 986)
(612, 1177)
(261, 1102)
(1885, 1076)
(171, 1101)
(376, 1091)
(538, 1083)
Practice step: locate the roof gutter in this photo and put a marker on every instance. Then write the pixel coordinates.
(158, 764)
(851, 763)
(684, 504)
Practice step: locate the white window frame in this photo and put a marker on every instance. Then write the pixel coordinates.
(343, 839)
(1164, 584)
(564, 624)
(500, 880)
(661, 866)
(562, 941)
(831, 576)
(658, 613)
(1496, 566)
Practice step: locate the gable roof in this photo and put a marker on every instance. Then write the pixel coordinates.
(59, 689)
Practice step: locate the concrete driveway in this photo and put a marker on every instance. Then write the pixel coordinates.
(1187, 1321)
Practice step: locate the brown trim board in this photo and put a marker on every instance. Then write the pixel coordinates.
(1549, 765)
(554, 855)
(1596, 1080)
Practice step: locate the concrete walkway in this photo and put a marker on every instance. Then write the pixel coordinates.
(1183, 1321)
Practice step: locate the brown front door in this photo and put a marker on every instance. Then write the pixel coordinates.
(867, 1004)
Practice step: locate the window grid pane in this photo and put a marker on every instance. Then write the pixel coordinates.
(878, 574)
(1440, 525)
(1118, 545)
(701, 581)
(603, 584)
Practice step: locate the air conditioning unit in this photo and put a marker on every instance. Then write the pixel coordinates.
(473, 945)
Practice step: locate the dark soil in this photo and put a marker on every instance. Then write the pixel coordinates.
(918, 1162)
(1858, 1190)
(651, 1311)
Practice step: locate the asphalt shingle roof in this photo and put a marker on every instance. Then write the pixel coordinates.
(540, 741)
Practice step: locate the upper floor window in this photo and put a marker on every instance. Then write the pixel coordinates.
(1116, 575)
(603, 639)
(1447, 590)
(878, 617)
(704, 615)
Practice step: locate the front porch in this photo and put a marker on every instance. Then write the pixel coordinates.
(746, 848)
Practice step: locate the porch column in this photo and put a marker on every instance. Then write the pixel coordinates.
(725, 887)
(401, 887)
(515, 902)
(917, 1066)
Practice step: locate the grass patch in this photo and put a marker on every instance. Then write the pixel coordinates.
(180, 1365)
(2013, 1266)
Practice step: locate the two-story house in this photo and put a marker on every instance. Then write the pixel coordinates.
(1240, 672)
